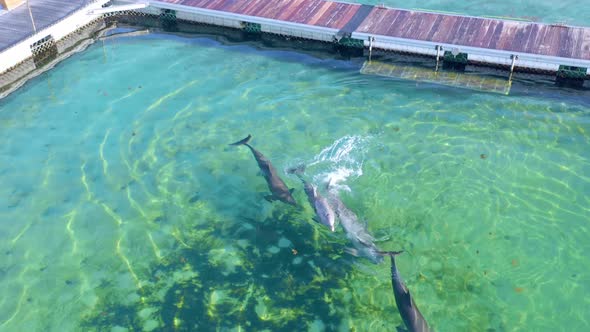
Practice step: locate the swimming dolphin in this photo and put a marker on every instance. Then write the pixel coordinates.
(322, 208)
(355, 229)
(275, 184)
(408, 310)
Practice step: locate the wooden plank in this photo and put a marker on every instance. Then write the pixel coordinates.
(209, 4)
(214, 4)
(425, 25)
(565, 43)
(238, 6)
(231, 5)
(397, 20)
(585, 44)
(306, 11)
(193, 3)
(445, 25)
(554, 41)
(496, 33)
(332, 18)
(388, 24)
(433, 29)
(507, 36)
(274, 10)
(463, 33)
(582, 43)
(313, 19)
(254, 7)
(326, 14)
(544, 46)
(450, 28)
(293, 8)
(531, 32)
(375, 18)
(527, 45)
(405, 25)
(346, 14)
(476, 28)
(354, 16)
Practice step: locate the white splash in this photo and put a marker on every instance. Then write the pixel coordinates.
(340, 161)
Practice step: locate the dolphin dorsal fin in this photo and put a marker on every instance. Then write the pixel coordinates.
(328, 183)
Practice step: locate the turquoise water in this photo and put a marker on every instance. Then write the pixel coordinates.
(123, 208)
(567, 11)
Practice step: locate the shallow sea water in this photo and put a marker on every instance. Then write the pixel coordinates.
(122, 207)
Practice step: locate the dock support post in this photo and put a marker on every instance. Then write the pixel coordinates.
(438, 49)
(514, 58)
(371, 40)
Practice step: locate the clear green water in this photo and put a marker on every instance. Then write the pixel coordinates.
(122, 206)
(567, 11)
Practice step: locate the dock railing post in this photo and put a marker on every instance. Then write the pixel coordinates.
(31, 15)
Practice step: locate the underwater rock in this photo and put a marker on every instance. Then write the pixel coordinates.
(119, 329)
(133, 297)
(146, 312)
(284, 243)
(317, 326)
(150, 325)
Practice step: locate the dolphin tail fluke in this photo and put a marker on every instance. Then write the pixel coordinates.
(390, 253)
(244, 141)
(298, 171)
(352, 251)
(270, 198)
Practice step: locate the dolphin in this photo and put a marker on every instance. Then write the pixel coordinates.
(322, 208)
(408, 310)
(355, 229)
(277, 187)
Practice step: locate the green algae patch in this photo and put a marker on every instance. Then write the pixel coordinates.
(211, 285)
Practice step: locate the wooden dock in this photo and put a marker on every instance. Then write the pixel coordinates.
(16, 25)
(451, 39)
(491, 41)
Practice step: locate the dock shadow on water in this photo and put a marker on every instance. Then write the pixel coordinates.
(281, 273)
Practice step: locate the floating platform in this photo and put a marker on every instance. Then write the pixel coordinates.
(464, 39)
(472, 81)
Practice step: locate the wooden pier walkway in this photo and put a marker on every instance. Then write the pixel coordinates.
(16, 25)
(487, 40)
(454, 39)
